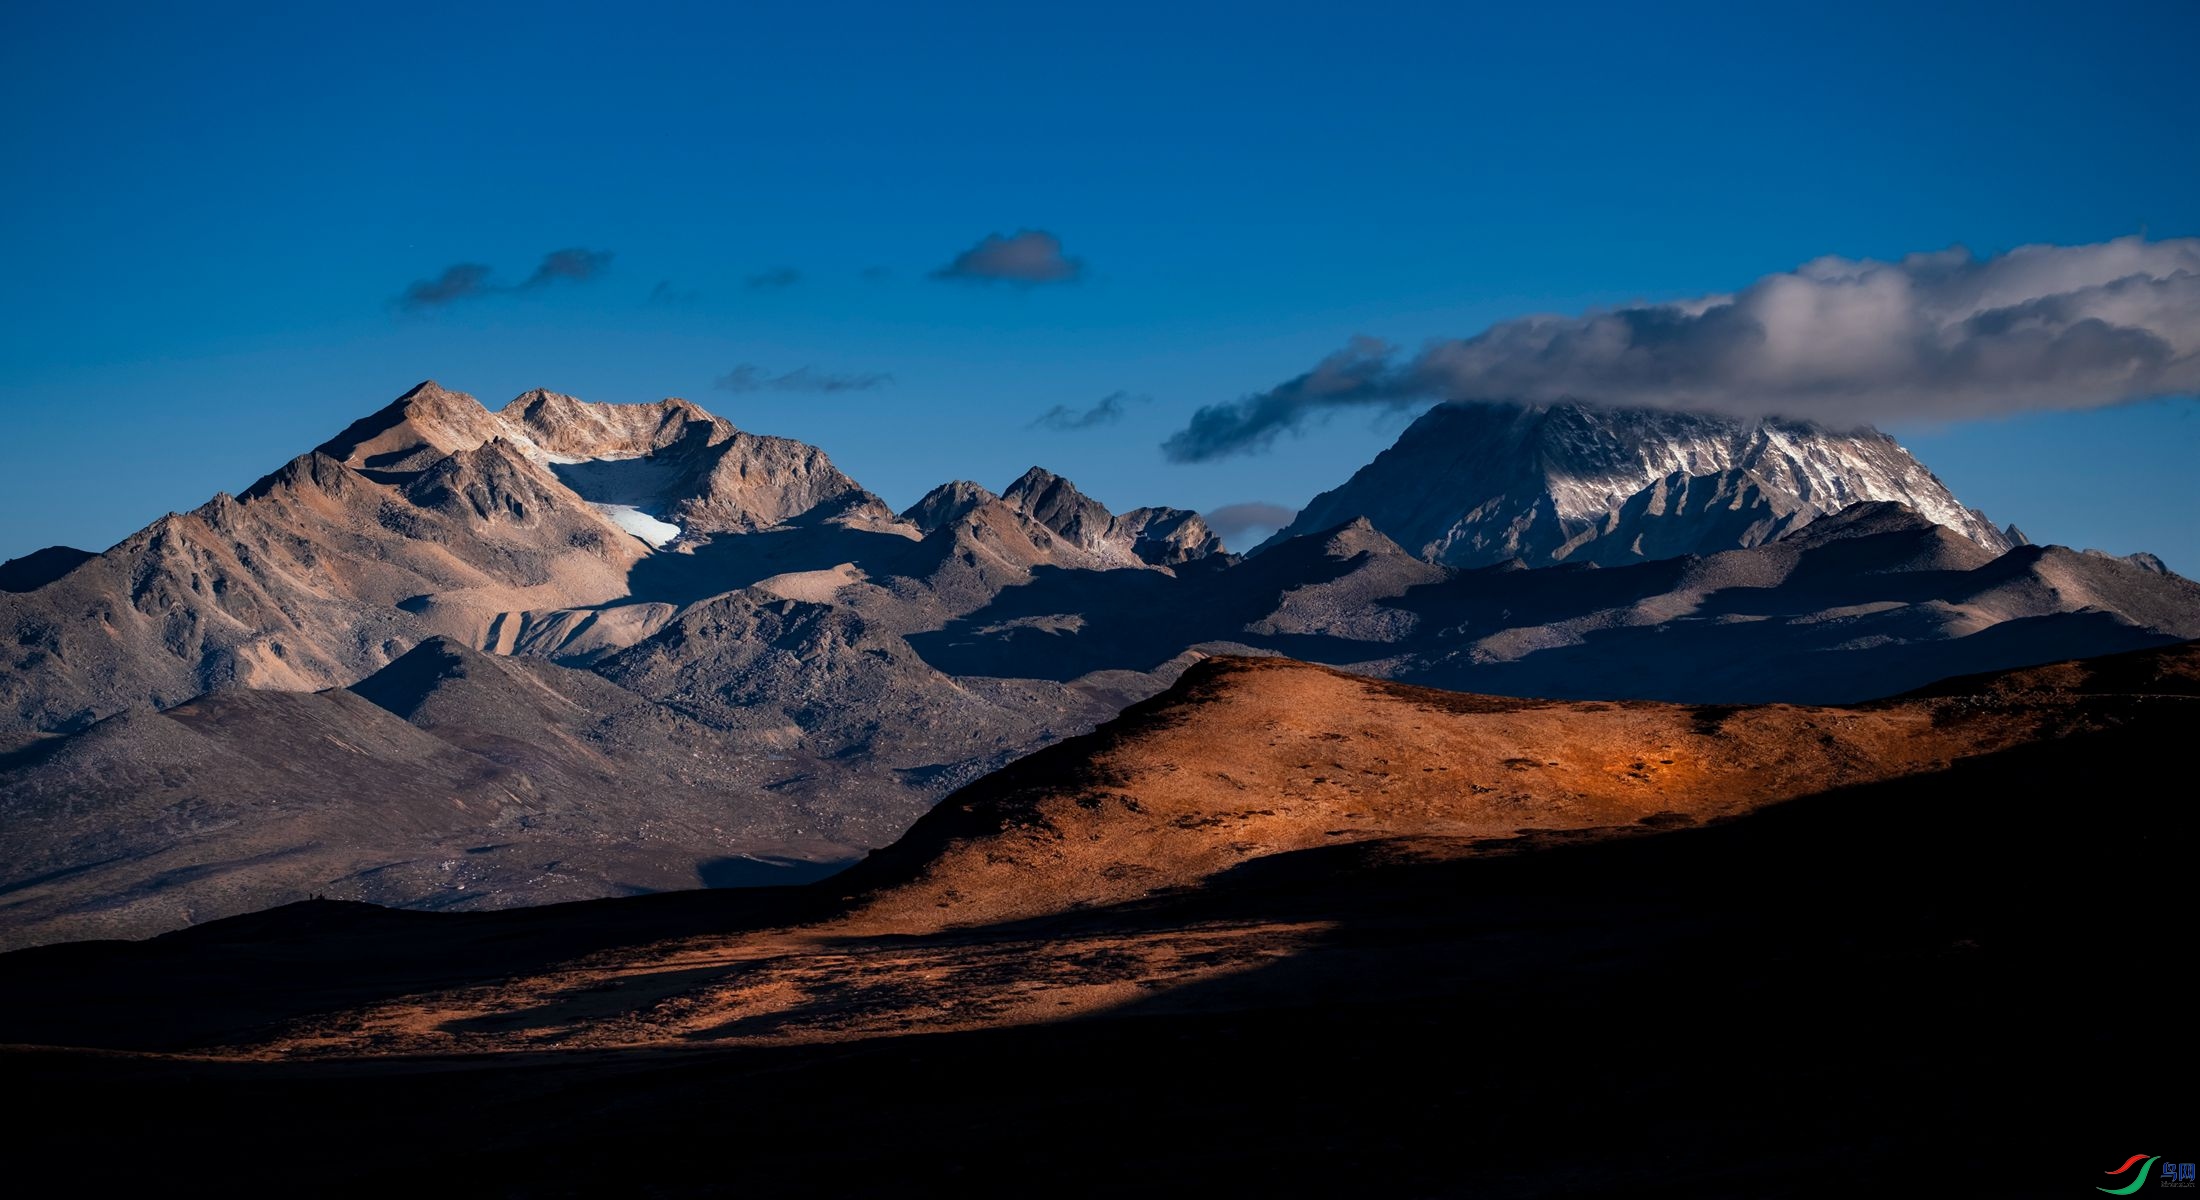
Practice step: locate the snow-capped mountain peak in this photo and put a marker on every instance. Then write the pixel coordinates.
(1472, 484)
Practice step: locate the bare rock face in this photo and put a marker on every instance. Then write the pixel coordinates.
(430, 516)
(413, 432)
(1475, 484)
(569, 428)
(748, 482)
(1150, 536)
(315, 576)
(1055, 502)
(946, 504)
(668, 463)
(1167, 537)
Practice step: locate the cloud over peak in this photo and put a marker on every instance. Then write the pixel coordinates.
(1938, 336)
(1027, 257)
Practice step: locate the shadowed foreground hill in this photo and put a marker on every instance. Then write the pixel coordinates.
(1248, 934)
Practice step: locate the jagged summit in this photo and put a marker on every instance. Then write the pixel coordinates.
(946, 504)
(1056, 503)
(1475, 484)
(566, 427)
(314, 470)
(413, 431)
(431, 419)
(659, 470)
(1142, 536)
(1170, 536)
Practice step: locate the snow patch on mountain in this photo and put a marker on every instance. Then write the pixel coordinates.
(658, 534)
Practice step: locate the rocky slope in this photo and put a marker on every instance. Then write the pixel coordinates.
(1872, 600)
(313, 577)
(1154, 536)
(449, 779)
(1475, 484)
(836, 667)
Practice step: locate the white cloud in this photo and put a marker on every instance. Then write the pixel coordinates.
(1937, 336)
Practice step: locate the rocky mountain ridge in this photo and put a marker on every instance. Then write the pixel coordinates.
(832, 667)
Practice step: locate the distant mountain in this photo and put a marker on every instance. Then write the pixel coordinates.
(1470, 485)
(1152, 536)
(448, 779)
(676, 467)
(634, 641)
(1872, 600)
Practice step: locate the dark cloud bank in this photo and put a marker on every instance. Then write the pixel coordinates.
(464, 281)
(1940, 336)
(1028, 257)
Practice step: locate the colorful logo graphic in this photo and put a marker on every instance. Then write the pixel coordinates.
(2138, 1177)
(2174, 1175)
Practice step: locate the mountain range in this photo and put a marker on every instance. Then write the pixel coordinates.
(455, 658)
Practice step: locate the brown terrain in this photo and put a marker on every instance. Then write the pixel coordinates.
(1279, 925)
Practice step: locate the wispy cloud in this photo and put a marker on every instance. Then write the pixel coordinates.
(466, 281)
(666, 293)
(775, 278)
(1027, 257)
(748, 377)
(1941, 336)
(459, 281)
(1234, 523)
(571, 265)
(1106, 411)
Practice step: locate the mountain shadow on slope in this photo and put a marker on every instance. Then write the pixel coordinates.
(41, 567)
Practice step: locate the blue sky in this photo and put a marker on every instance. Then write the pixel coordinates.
(211, 213)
